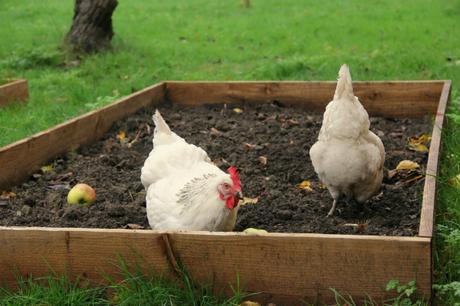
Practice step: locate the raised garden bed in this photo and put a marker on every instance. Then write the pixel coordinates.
(280, 135)
(283, 266)
(13, 90)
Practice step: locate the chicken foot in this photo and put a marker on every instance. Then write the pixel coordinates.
(331, 211)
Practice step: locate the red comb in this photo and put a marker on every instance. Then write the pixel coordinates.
(235, 178)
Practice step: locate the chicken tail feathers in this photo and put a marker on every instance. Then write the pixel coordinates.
(160, 124)
(344, 87)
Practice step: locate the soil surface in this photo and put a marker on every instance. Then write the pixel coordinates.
(281, 135)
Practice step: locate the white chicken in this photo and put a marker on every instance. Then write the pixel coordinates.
(185, 190)
(348, 157)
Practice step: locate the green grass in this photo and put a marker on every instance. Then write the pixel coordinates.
(136, 288)
(220, 40)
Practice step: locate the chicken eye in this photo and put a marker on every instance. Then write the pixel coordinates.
(226, 186)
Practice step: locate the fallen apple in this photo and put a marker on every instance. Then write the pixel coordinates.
(82, 194)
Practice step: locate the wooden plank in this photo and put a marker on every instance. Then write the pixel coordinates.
(388, 99)
(91, 253)
(429, 190)
(24, 157)
(15, 91)
(294, 267)
(282, 267)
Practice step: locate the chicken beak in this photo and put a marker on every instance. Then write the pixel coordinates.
(239, 195)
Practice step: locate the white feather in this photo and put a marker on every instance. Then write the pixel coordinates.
(181, 183)
(348, 157)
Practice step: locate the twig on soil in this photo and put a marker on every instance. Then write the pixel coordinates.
(136, 139)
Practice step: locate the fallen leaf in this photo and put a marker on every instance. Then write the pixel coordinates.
(121, 136)
(7, 195)
(418, 143)
(418, 147)
(215, 132)
(249, 146)
(359, 227)
(263, 160)
(291, 142)
(455, 181)
(423, 138)
(251, 230)
(249, 201)
(322, 186)
(305, 185)
(407, 165)
(237, 110)
(47, 168)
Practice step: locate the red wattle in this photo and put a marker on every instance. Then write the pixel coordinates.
(230, 203)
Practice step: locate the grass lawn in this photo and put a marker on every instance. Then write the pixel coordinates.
(221, 40)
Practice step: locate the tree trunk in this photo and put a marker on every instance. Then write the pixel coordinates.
(91, 28)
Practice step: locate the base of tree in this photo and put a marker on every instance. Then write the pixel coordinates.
(91, 29)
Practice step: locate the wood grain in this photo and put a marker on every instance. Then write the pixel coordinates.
(15, 91)
(305, 266)
(26, 156)
(388, 99)
(282, 267)
(429, 191)
(90, 253)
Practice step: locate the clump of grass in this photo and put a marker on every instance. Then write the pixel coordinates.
(36, 58)
(140, 288)
(136, 287)
(447, 252)
(52, 290)
(406, 295)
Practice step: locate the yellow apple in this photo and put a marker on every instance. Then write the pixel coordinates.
(82, 194)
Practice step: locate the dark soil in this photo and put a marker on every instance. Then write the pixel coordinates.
(283, 135)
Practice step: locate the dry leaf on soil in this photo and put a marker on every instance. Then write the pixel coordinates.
(248, 145)
(305, 185)
(407, 165)
(7, 195)
(215, 132)
(263, 160)
(418, 143)
(47, 168)
(121, 136)
(249, 201)
(237, 110)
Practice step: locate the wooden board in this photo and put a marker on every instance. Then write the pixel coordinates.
(304, 266)
(388, 99)
(429, 190)
(22, 158)
(14, 91)
(282, 267)
(90, 253)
